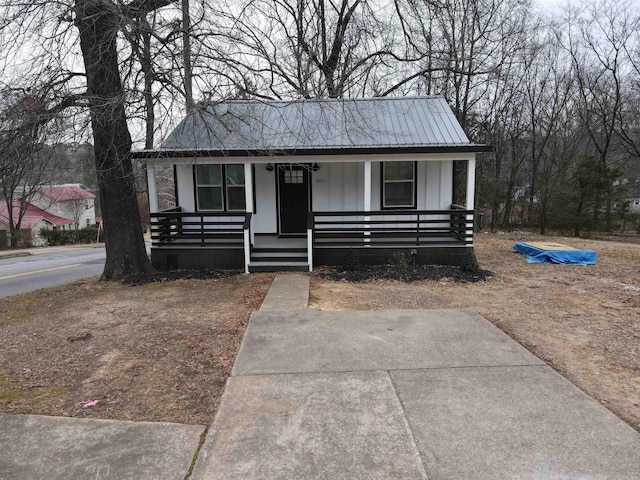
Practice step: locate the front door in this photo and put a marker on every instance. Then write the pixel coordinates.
(293, 185)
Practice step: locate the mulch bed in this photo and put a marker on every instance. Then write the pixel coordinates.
(410, 274)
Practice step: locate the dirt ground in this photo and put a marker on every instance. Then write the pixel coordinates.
(157, 352)
(583, 321)
(163, 351)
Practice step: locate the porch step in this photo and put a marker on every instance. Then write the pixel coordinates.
(279, 256)
(278, 266)
(278, 250)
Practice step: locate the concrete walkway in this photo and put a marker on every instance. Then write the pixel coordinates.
(437, 394)
(430, 394)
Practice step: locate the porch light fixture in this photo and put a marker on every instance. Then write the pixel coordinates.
(315, 167)
(269, 167)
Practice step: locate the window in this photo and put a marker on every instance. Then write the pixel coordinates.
(398, 184)
(220, 187)
(88, 222)
(293, 176)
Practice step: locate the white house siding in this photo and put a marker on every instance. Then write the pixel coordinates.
(36, 239)
(184, 179)
(340, 186)
(83, 208)
(265, 219)
(434, 187)
(336, 186)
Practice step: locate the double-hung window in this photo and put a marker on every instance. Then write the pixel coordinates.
(398, 184)
(220, 187)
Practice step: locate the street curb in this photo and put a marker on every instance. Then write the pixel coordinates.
(17, 254)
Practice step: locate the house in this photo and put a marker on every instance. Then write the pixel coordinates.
(33, 221)
(633, 197)
(67, 201)
(286, 185)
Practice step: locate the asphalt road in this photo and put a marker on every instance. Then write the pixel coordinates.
(29, 273)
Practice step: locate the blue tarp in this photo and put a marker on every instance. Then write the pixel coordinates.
(570, 257)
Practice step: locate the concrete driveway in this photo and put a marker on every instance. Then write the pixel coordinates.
(437, 394)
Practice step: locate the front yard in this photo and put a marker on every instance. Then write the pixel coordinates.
(163, 351)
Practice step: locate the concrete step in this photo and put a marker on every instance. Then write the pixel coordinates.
(278, 266)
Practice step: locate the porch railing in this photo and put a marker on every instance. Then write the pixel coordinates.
(175, 228)
(392, 228)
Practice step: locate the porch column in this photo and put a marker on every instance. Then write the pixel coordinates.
(471, 190)
(471, 183)
(248, 187)
(367, 185)
(248, 200)
(152, 188)
(367, 199)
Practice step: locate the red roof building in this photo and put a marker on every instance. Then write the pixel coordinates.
(33, 221)
(31, 216)
(61, 193)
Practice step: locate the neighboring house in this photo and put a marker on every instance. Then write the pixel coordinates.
(287, 185)
(33, 221)
(67, 201)
(634, 197)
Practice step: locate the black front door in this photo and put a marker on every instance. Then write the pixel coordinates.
(293, 183)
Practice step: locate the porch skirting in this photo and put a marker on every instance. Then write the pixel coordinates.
(165, 259)
(453, 255)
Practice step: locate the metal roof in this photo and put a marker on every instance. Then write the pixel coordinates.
(31, 216)
(318, 125)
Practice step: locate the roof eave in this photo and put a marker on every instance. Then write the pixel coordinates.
(182, 153)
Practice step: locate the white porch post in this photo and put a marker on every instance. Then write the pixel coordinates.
(367, 185)
(248, 187)
(471, 191)
(153, 189)
(367, 199)
(310, 248)
(248, 199)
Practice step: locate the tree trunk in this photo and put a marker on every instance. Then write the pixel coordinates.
(98, 28)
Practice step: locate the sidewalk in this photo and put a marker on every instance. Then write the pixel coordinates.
(23, 252)
(437, 394)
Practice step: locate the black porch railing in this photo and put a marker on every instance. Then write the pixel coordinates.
(392, 228)
(388, 228)
(199, 229)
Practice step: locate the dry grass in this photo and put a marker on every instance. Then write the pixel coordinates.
(159, 352)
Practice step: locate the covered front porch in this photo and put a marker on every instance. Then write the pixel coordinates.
(329, 227)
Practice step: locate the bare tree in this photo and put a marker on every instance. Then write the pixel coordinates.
(462, 45)
(63, 35)
(596, 38)
(24, 162)
(303, 48)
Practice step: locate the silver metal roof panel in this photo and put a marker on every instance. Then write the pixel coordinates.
(243, 125)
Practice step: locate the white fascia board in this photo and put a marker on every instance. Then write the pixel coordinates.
(386, 157)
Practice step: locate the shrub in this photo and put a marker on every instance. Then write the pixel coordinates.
(351, 261)
(470, 263)
(400, 261)
(66, 237)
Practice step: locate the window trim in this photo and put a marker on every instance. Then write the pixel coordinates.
(383, 182)
(224, 186)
